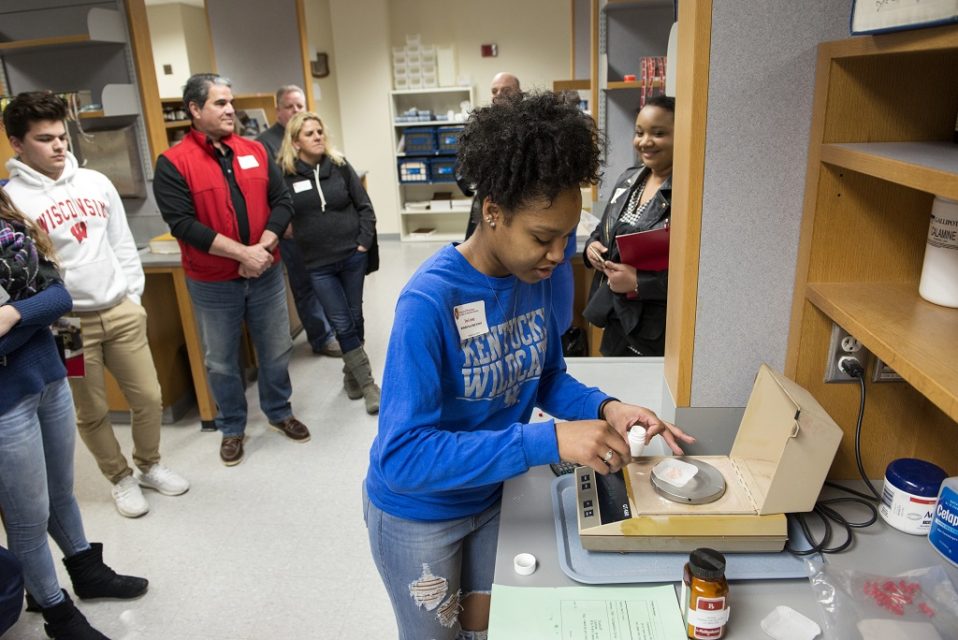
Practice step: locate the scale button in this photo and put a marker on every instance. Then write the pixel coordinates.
(588, 513)
(586, 485)
(587, 504)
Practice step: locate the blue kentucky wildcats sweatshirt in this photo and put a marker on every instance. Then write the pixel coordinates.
(454, 417)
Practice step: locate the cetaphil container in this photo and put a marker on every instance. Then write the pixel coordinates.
(944, 526)
(910, 494)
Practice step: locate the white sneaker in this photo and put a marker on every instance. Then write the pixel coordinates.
(129, 498)
(165, 480)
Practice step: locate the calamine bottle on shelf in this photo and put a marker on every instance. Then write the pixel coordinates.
(705, 595)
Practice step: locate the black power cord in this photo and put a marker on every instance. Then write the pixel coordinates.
(823, 511)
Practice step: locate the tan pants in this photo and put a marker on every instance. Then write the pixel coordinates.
(115, 338)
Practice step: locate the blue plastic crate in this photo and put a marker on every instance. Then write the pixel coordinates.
(413, 170)
(420, 140)
(442, 169)
(448, 139)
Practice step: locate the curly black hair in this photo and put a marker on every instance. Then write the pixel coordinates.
(528, 146)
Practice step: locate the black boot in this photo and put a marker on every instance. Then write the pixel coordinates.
(65, 622)
(93, 579)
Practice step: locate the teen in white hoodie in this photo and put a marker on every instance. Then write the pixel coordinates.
(82, 212)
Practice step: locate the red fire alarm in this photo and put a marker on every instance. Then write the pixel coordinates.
(490, 51)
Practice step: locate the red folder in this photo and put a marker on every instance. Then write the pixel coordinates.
(645, 250)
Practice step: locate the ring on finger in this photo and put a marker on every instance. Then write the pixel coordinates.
(608, 456)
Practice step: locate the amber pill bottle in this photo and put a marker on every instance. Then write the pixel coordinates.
(705, 595)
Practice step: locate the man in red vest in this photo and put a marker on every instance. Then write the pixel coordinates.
(227, 205)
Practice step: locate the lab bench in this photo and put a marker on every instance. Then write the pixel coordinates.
(527, 524)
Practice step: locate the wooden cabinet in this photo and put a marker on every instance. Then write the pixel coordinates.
(880, 151)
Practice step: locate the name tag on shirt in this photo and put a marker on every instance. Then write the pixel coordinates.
(618, 192)
(247, 162)
(471, 319)
(302, 185)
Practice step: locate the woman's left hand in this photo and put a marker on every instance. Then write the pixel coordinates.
(623, 416)
(361, 249)
(622, 277)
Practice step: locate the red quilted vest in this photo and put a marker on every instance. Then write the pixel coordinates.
(195, 161)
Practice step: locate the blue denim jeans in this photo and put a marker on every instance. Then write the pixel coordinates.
(311, 313)
(339, 287)
(221, 308)
(37, 439)
(430, 567)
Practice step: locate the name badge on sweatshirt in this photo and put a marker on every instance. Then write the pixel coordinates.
(471, 319)
(247, 162)
(301, 186)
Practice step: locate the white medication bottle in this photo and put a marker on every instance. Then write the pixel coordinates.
(944, 526)
(910, 494)
(637, 440)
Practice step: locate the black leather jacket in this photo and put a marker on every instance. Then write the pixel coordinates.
(641, 317)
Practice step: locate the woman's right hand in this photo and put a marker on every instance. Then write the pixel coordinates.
(595, 251)
(588, 442)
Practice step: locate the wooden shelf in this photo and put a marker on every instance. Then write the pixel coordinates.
(571, 85)
(104, 26)
(926, 166)
(177, 124)
(913, 336)
(635, 84)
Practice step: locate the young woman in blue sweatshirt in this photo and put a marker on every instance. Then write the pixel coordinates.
(474, 348)
(37, 437)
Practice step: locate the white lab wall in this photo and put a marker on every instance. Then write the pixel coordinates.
(533, 37)
(319, 33)
(169, 47)
(361, 41)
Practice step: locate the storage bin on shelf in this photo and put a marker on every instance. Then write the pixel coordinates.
(413, 170)
(442, 170)
(419, 140)
(448, 139)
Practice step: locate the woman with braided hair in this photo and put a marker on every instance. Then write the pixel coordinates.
(474, 348)
(37, 436)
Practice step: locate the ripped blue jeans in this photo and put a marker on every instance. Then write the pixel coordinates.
(430, 567)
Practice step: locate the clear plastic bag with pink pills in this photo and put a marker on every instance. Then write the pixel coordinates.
(917, 605)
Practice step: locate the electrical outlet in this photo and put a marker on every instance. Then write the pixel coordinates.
(883, 373)
(843, 345)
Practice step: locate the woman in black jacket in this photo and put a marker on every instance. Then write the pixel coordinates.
(335, 228)
(630, 304)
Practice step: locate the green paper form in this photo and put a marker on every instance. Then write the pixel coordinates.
(585, 613)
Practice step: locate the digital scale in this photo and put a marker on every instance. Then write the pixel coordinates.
(781, 455)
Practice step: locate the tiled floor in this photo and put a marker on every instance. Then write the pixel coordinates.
(274, 548)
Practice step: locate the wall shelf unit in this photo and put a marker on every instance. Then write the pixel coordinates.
(423, 223)
(68, 49)
(876, 161)
(103, 26)
(627, 32)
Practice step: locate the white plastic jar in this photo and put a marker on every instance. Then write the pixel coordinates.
(910, 494)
